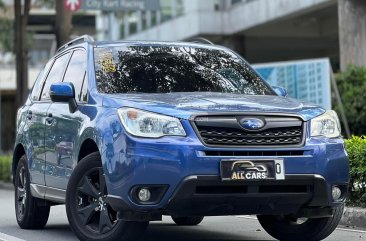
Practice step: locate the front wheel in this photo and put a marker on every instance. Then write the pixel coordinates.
(287, 228)
(90, 216)
(188, 221)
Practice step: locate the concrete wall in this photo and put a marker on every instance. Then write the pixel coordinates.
(352, 32)
(201, 18)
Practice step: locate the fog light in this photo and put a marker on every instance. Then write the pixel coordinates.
(144, 194)
(336, 193)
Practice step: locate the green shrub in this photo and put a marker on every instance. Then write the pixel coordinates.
(5, 168)
(352, 88)
(356, 148)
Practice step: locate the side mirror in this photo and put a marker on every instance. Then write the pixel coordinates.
(280, 91)
(64, 92)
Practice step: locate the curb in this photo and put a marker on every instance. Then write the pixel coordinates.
(354, 217)
(6, 185)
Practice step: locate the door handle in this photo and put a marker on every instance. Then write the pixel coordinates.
(49, 118)
(29, 114)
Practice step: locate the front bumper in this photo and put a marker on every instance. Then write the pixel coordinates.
(184, 166)
(302, 195)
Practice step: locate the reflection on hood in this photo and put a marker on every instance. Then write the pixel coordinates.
(184, 104)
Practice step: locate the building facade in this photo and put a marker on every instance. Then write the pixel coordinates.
(260, 30)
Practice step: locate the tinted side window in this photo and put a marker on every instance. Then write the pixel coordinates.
(39, 81)
(55, 75)
(76, 71)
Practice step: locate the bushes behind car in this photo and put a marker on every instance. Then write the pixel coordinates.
(5, 168)
(356, 148)
(352, 87)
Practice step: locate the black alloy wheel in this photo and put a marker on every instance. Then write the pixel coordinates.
(90, 216)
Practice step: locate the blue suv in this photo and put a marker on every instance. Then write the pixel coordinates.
(125, 132)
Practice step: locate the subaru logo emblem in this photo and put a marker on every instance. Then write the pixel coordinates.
(252, 123)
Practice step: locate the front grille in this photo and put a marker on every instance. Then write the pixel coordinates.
(227, 131)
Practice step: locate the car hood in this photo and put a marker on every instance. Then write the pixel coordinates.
(184, 105)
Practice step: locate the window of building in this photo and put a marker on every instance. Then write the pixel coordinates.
(233, 2)
(166, 10)
(180, 8)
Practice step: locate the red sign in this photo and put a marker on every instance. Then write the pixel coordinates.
(72, 5)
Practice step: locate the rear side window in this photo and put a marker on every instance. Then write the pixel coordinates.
(54, 75)
(39, 81)
(76, 70)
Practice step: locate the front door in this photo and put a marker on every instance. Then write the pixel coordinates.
(36, 119)
(64, 127)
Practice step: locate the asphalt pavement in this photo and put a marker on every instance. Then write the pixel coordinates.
(243, 228)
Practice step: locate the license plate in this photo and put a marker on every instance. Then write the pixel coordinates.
(243, 169)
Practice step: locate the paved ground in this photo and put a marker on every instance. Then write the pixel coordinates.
(211, 229)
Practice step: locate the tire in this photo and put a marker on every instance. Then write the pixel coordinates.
(29, 214)
(90, 216)
(188, 221)
(285, 228)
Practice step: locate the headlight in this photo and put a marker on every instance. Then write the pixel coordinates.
(148, 124)
(326, 125)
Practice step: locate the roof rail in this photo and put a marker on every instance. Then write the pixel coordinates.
(81, 39)
(200, 40)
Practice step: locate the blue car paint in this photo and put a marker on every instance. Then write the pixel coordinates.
(182, 105)
(63, 89)
(169, 160)
(130, 161)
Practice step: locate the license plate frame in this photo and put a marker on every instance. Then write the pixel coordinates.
(252, 169)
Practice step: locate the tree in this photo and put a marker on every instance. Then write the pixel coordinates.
(6, 31)
(63, 23)
(352, 88)
(21, 11)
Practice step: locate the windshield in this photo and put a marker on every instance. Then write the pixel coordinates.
(170, 68)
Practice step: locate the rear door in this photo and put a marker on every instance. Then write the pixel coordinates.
(65, 126)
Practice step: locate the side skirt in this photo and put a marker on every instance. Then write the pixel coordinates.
(51, 194)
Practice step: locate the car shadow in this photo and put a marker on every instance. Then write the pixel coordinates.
(163, 232)
(170, 231)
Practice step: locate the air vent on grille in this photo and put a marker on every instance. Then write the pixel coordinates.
(226, 131)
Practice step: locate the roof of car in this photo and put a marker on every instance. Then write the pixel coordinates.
(154, 43)
(196, 42)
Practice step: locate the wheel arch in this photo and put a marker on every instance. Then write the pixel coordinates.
(19, 151)
(87, 147)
